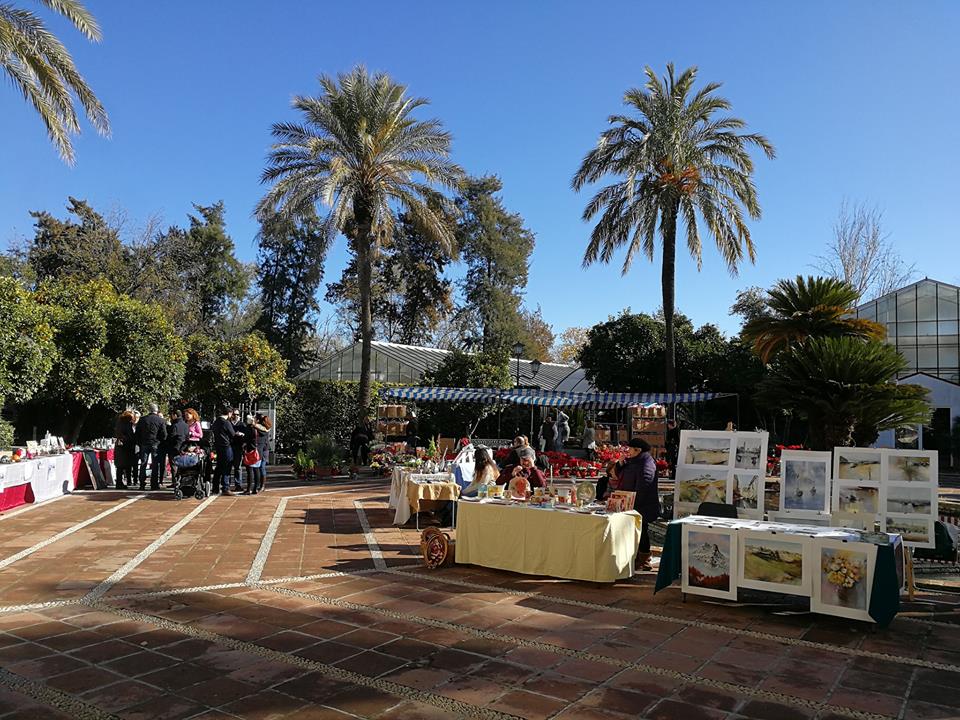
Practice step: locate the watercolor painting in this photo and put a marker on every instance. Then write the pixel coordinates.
(843, 578)
(909, 469)
(709, 561)
(804, 478)
(770, 562)
(747, 493)
(909, 500)
(915, 532)
(751, 451)
(857, 499)
(858, 464)
(699, 450)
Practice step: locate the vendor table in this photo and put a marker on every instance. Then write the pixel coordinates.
(408, 490)
(34, 480)
(885, 591)
(556, 543)
(81, 476)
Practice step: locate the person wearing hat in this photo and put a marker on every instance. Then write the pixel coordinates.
(639, 475)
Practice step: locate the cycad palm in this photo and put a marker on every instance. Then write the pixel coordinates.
(680, 161)
(362, 155)
(42, 70)
(807, 307)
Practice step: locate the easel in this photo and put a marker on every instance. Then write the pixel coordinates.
(908, 574)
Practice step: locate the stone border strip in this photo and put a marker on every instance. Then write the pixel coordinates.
(715, 627)
(371, 539)
(69, 531)
(256, 568)
(72, 706)
(686, 678)
(104, 587)
(334, 673)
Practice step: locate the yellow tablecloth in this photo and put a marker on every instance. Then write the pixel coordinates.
(562, 544)
(417, 493)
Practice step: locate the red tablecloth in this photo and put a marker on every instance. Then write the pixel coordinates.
(81, 478)
(16, 495)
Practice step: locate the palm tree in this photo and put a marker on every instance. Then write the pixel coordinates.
(807, 307)
(679, 162)
(844, 388)
(362, 155)
(42, 70)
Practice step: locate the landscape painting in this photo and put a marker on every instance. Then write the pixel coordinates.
(845, 576)
(858, 464)
(857, 499)
(909, 500)
(751, 451)
(803, 481)
(776, 564)
(748, 493)
(911, 468)
(704, 449)
(915, 532)
(709, 561)
(698, 486)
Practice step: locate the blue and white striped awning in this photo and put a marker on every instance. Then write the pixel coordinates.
(545, 398)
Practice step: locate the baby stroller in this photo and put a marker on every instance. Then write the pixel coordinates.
(192, 475)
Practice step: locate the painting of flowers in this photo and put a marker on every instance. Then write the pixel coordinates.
(845, 579)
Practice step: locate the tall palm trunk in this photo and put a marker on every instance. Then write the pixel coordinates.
(667, 283)
(364, 252)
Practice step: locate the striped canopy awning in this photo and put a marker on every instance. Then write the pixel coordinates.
(545, 398)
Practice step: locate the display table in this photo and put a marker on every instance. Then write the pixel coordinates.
(556, 543)
(81, 476)
(885, 584)
(35, 480)
(407, 489)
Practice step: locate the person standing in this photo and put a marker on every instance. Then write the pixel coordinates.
(588, 441)
(251, 442)
(548, 434)
(413, 430)
(222, 435)
(360, 443)
(239, 429)
(151, 436)
(194, 429)
(639, 475)
(563, 429)
(177, 433)
(672, 443)
(263, 425)
(125, 450)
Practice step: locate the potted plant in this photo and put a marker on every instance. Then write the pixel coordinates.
(326, 454)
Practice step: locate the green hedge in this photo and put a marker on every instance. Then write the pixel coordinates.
(319, 407)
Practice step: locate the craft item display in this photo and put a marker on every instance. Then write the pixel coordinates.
(804, 482)
(586, 491)
(621, 501)
(844, 578)
(709, 561)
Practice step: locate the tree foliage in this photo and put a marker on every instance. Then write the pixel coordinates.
(678, 159)
(41, 68)
(231, 371)
(289, 273)
(318, 407)
(807, 307)
(537, 336)
(113, 351)
(27, 351)
(361, 153)
(462, 370)
(844, 387)
(569, 344)
(496, 248)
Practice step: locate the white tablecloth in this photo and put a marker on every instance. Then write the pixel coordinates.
(49, 477)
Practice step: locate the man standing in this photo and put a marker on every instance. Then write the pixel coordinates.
(222, 435)
(639, 475)
(239, 429)
(672, 441)
(151, 435)
(176, 439)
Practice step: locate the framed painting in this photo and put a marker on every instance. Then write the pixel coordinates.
(804, 481)
(916, 530)
(806, 519)
(775, 562)
(844, 578)
(860, 464)
(911, 467)
(747, 493)
(707, 447)
(709, 557)
(695, 485)
(751, 451)
(910, 500)
(851, 497)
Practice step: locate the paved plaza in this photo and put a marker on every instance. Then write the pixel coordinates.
(304, 602)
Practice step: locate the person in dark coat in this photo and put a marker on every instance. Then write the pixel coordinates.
(548, 434)
(177, 432)
(222, 436)
(639, 475)
(413, 432)
(240, 429)
(360, 443)
(151, 437)
(125, 450)
(672, 442)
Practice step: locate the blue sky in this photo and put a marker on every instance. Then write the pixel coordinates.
(859, 99)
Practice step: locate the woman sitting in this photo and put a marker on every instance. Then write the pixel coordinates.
(485, 472)
(521, 478)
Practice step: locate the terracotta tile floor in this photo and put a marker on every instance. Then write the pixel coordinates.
(217, 622)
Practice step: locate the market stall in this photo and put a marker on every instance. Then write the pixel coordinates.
(844, 571)
(411, 492)
(34, 480)
(553, 542)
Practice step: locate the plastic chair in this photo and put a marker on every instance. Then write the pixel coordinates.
(712, 509)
